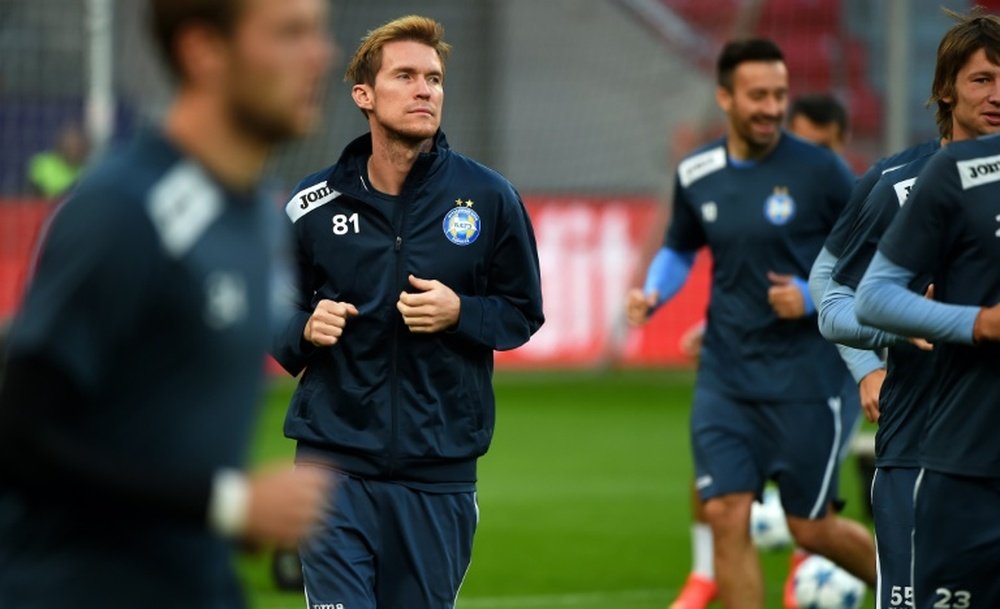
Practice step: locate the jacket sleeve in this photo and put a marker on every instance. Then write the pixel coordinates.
(511, 309)
(288, 345)
(54, 462)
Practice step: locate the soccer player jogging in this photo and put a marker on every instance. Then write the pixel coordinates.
(417, 263)
(949, 228)
(763, 203)
(965, 94)
(821, 119)
(137, 359)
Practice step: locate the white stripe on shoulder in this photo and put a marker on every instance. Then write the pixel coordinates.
(700, 165)
(182, 205)
(976, 172)
(309, 199)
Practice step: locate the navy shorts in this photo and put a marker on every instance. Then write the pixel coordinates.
(739, 445)
(850, 421)
(850, 415)
(956, 541)
(389, 546)
(892, 510)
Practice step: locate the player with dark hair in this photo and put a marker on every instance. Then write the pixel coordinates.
(819, 118)
(817, 124)
(136, 361)
(417, 263)
(965, 83)
(762, 202)
(949, 229)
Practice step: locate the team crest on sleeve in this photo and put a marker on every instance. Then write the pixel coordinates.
(779, 208)
(461, 225)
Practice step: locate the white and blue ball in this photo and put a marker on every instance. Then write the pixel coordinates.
(768, 527)
(820, 584)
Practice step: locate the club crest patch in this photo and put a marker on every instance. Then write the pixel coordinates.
(779, 208)
(461, 225)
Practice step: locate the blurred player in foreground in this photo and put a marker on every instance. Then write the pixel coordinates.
(821, 119)
(762, 202)
(418, 263)
(136, 361)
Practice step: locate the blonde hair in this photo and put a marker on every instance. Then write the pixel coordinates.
(367, 60)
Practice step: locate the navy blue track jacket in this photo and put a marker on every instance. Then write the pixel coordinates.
(384, 402)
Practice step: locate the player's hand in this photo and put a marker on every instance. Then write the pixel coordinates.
(326, 324)
(785, 297)
(987, 326)
(922, 343)
(638, 305)
(433, 308)
(869, 389)
(285, 504)
(692, 339)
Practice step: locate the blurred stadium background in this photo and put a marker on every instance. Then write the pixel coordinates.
(586, 105)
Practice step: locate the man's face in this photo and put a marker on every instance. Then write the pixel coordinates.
(828, 136)
(757, 103)
(278, 59)
(408, 95)
(976, 101)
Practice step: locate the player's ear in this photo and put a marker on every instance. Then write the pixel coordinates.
(724, 97)
(202, 54)
(364, 97)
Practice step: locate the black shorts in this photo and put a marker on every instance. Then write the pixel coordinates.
(892, 510)
(956, 542)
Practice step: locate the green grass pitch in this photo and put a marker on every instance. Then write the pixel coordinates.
(583, 497)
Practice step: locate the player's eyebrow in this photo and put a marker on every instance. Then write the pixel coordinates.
(409, 69)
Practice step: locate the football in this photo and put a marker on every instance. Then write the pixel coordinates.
(820, 584)
(767, 522)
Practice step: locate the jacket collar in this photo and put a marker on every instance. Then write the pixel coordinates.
(346, 175)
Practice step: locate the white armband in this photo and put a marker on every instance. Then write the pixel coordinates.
(229, 503)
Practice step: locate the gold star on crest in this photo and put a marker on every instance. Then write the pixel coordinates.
(459, 202)
(468, 203)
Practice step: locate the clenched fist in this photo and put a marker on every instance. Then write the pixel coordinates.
(785, 297)
(638, 305)
(434, 307)
(285, 504)
(326, 324)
